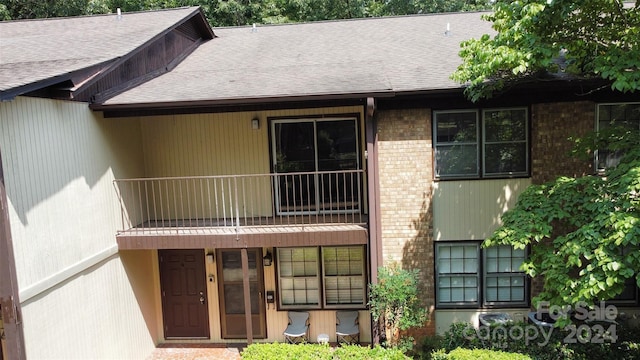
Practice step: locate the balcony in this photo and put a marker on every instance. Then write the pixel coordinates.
(252, 210)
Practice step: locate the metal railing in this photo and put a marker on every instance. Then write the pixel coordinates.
(325, 197)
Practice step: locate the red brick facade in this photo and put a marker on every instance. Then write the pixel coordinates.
(405, 156)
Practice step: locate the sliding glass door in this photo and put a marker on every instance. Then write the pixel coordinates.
(316, 158)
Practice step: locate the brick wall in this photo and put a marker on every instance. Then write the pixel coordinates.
(552, 125)
(406, 180)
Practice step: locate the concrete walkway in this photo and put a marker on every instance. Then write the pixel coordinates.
(197, 352)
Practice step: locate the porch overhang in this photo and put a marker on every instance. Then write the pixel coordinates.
(244, 237)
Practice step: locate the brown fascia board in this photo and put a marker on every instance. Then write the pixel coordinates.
(233, 105)
(60, 84)
(206, 33)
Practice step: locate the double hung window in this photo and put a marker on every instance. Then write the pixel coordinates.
(488, 143)
(468, 276)
(325, 277)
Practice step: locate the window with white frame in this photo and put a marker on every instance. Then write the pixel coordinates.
(299, 277)
(468, 276)
(468, 145)
(625, 115)
(325, 277)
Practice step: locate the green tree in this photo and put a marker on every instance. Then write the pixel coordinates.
(584, 232)
(240, 12)
(592, 39)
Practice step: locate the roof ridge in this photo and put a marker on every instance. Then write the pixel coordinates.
(59, 18)
(355, 19)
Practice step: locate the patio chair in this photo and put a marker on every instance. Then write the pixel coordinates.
(298, 329)
(347, 327)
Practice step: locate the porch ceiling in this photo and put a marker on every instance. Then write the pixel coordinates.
(244, 237)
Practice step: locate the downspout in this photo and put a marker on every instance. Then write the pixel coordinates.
(373, 185)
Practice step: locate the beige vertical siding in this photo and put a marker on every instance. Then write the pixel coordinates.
(59, 160)
(471, 209)
(211, 145)
(322, 321)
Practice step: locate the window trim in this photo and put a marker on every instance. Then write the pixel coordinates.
(481, 302)
(322, 301)
(481, 144)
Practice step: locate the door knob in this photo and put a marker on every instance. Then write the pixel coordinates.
(201, 298)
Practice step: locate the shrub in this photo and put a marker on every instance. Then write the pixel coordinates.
(318, 352)
(478, 354)
(558, 346)
(426, 346)
(287, 352)
(395, 301)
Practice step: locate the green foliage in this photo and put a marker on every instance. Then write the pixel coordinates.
(584, 232)
(583, 38)
(318, 352)
(555, 346)
(427, 346)
(394, 299)
(478, 354)
(241, 12)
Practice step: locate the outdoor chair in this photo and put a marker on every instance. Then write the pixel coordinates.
(298, 329)
(347, 327)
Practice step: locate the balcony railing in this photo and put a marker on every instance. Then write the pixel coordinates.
(325, 197)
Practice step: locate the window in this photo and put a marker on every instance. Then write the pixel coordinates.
(458, 280)
(612, 115)
(469, 276)
(629, 295)
(504, 282)
(342, 269)
(461, 151)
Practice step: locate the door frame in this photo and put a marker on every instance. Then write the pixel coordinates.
(262, 314)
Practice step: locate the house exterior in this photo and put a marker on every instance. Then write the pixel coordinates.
(162, 179)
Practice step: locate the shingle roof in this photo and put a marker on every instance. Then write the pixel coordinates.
(336, 58)
(35, 51)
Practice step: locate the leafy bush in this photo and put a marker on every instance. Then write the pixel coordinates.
(426, 346)
(558, 345)
(395, 301)
(318, 352)
(478, 354)
(287, 352)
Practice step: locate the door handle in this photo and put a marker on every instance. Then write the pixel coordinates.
(202, 298)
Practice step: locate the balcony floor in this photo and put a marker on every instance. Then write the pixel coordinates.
(254, 232)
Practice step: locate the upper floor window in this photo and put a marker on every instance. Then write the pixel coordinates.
(614, 115)
(490, 143)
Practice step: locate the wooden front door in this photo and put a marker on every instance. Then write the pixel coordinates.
(184, 293)
(232, 315)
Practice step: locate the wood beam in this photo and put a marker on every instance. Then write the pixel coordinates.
(247, 296)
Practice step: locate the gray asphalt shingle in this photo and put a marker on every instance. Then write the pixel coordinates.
(363, 56)
(37, 50)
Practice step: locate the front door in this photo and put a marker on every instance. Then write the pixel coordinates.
(231, 288)
(184, 293)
